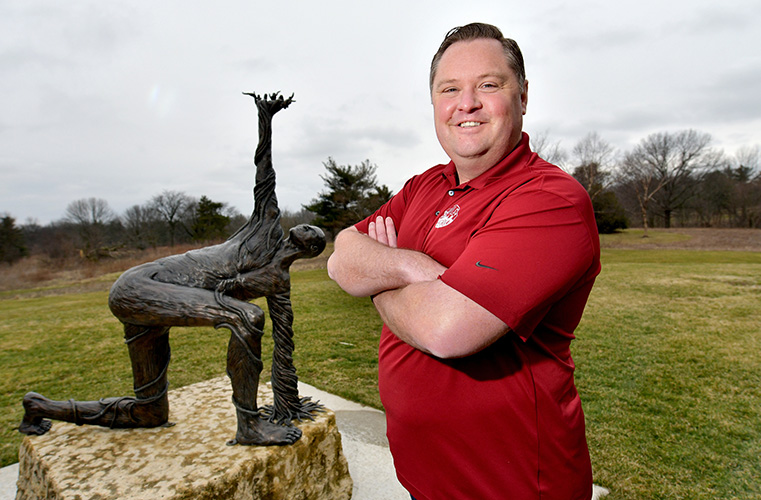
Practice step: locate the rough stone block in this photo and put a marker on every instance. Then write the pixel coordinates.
(187, 461)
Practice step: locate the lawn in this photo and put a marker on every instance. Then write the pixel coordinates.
(669, 371)
(667, 358)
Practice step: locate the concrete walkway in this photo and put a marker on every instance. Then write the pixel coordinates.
(363, 436)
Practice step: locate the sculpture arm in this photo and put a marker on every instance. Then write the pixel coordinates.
(265, 219)
(265, 200)
(260, 282)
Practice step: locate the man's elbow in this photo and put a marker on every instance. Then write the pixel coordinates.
(450, 341)
(445, 349)
(335, 260)
(335, 273)
(332, 271)
(436, 339)
(338, 273)
(453, 350)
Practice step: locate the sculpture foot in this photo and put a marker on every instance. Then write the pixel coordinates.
(262, 432)
(35, 427)
(33, 423)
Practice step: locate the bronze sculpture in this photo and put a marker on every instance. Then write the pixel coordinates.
(210, 287)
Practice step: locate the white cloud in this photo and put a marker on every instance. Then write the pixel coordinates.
(120, 101)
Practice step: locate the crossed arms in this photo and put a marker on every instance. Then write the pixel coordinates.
(418, 307)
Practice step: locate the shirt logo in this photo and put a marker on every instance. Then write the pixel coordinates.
(448, 217)
(478, 264)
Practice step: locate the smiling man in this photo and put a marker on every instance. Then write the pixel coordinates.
(480, 270)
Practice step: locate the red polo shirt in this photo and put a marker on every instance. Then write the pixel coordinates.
(520, 240)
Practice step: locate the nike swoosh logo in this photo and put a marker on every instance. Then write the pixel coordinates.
(478, 264)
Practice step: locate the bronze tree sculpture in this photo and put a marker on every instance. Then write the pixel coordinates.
(210, 287)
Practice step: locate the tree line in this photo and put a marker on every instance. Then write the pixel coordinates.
(92, 230)
(668, 179)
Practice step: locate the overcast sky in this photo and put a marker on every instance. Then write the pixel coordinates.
(122, 100)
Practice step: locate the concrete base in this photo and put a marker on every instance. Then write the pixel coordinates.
(187, 461)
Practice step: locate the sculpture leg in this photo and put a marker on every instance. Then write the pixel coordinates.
(149, 353)
(285, 384)
(244, 366)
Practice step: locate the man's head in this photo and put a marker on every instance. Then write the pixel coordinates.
(474, 31)
(479, 97)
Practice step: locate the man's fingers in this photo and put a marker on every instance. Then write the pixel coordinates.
(390, 232)
(380, 231)
(383, 231)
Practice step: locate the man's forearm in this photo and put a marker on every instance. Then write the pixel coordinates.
(437, 319)
(364, 267)
(417, 306)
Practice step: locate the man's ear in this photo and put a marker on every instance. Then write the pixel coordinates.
(524, 96)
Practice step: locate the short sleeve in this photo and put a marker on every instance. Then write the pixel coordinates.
(533, 249)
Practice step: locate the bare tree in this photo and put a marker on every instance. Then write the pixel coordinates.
(140, 226)
(748, 158)
(548, 150)
(594, 159)
(664, 167)
(291, 218)
(89, 211)
(90, 216)
(172, 207)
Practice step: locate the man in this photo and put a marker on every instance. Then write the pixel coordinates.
(480, 270)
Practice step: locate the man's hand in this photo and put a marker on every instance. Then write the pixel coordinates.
(383, 231)
(367, 264)
(418, 307)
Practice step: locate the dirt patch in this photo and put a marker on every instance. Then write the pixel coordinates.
(34, 276)
(746, 240)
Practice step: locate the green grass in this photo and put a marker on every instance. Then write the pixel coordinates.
(669, 371)
(70, 346)
(667, 357)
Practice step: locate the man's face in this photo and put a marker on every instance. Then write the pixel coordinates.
(478, 105)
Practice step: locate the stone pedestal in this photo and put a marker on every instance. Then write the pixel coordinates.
(187, 461)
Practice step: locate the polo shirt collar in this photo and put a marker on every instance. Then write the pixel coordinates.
(517, 156)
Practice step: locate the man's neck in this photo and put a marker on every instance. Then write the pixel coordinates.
(469, 168)
(465, 174)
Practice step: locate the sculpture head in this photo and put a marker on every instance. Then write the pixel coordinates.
(309, 239)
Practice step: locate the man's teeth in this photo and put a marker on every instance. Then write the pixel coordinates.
(470, 124)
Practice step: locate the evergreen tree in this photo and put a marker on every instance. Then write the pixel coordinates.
(609, 213)
(352, 194)
(209, 223)
(12, 244)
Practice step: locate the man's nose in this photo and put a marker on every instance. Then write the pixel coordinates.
(469, 100)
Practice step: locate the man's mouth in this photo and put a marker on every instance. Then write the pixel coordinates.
(469, 124)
